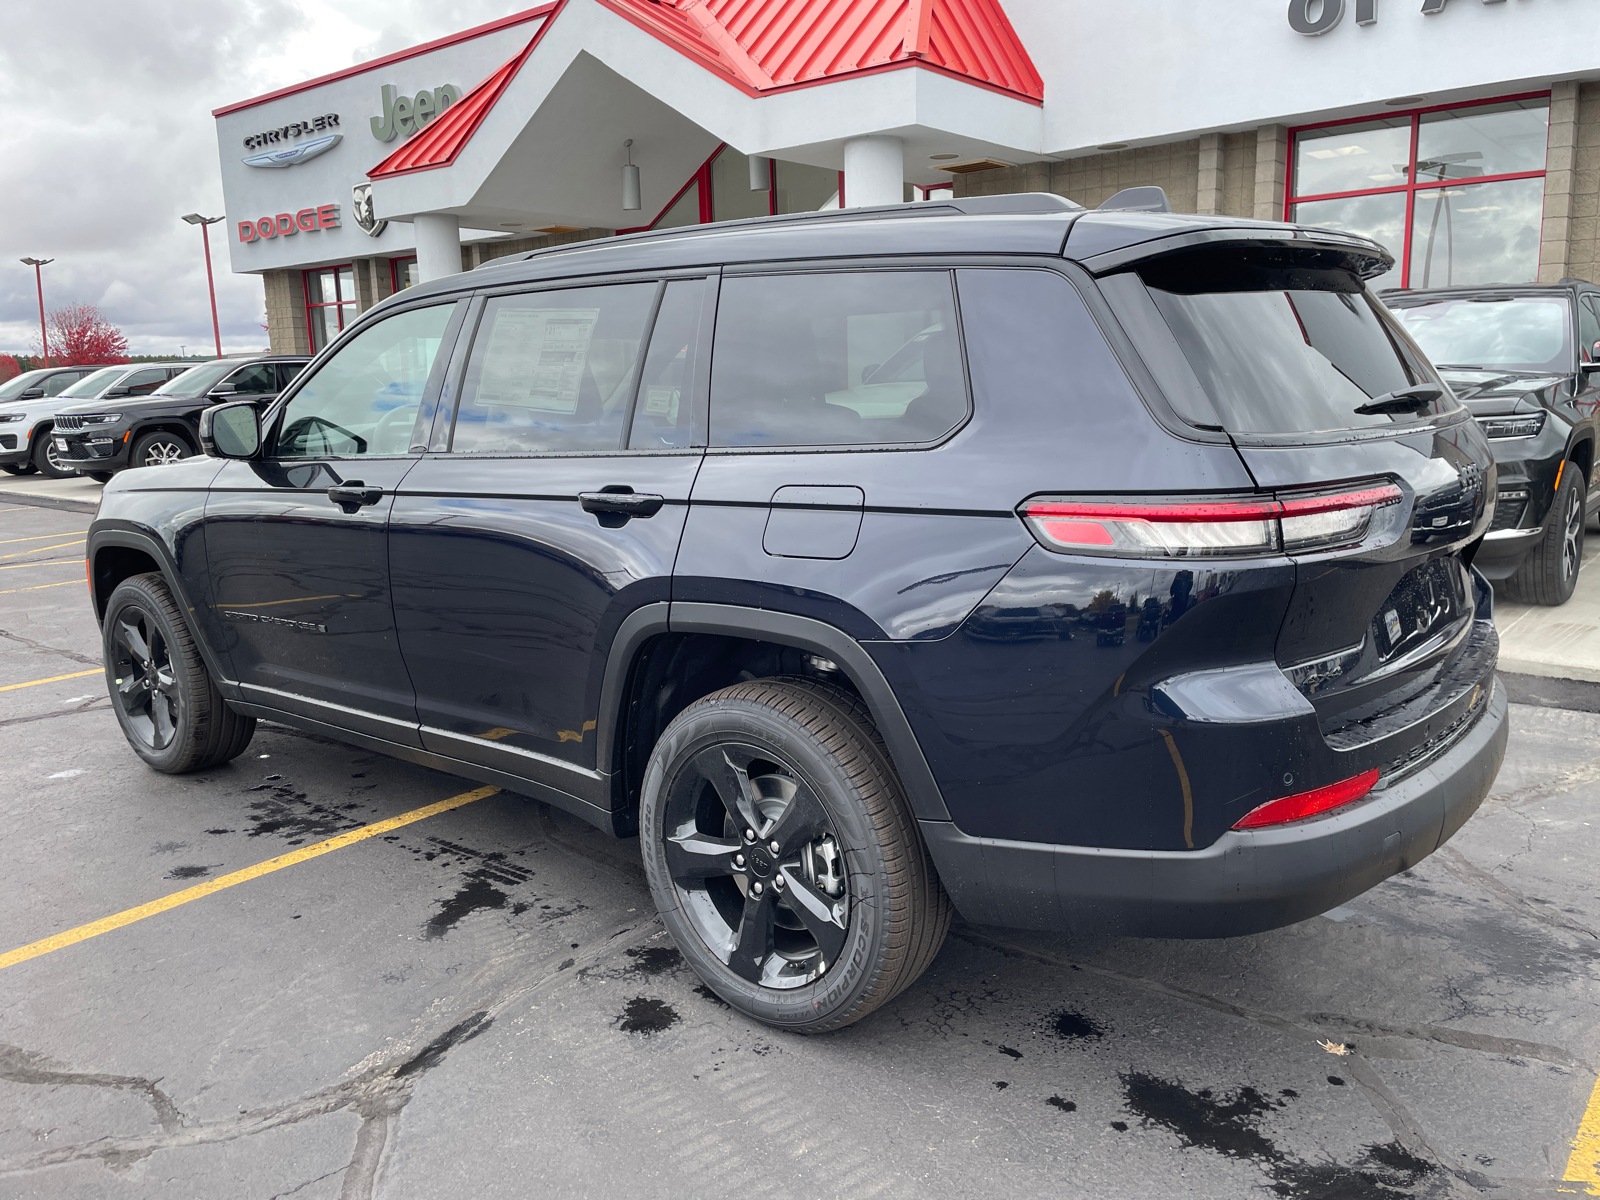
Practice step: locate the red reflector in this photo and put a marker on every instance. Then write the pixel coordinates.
(1309, 804)
(1078, 533)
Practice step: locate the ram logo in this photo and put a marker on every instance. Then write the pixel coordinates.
(288, 156)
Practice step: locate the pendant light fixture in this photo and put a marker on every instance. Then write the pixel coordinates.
(630, 182)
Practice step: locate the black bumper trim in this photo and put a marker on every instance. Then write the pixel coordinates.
(1243, 883)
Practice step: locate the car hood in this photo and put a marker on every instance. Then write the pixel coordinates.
(1489, 392)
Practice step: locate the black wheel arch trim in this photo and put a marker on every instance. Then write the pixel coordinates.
(130, 536)
(802, 633)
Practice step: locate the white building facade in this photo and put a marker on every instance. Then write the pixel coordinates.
(1463, 134)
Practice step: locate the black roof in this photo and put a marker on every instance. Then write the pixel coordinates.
(1029, 223)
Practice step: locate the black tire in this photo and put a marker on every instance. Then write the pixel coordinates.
(99, 476)
(806, 761)
(165, 700)
(45, 459)
(1550, 572)
(159, 448)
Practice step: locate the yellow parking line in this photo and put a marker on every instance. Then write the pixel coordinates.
(11, 687)
(36, 587)
(1584, 1165)
(129, 916)
(53, 562)
(19, 508)
(38, 537)
(42, 549)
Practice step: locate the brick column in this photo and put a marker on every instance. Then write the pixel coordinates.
(286, 312)
(1272, 171)
(1560, 183)
(1208, 193)
(366, 293)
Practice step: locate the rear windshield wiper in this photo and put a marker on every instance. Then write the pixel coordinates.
(1409, 400)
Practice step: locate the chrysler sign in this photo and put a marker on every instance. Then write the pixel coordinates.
(1312, 17)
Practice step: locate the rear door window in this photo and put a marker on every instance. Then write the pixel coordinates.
(1263, 342)
(1588, 331)
(663, 417)
(554, 371)
(142, 383)
(255, 380)
(836, 359)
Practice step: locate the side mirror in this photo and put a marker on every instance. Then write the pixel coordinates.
(231, 430)
(31, 394)
(116, 393)
(224, 389)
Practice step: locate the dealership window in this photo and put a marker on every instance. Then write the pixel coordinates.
(403, 273)
(1457, 194)
(330, 303)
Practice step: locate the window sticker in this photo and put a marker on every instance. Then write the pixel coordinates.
(536, 359)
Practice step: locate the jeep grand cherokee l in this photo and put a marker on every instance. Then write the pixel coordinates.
(1142, 602)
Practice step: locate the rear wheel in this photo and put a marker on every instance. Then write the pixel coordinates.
(165, 700)
(159, 449)
(784, 858)
(47, 461)
(1550, 572)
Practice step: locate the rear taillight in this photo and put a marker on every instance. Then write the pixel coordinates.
(1309, 804)
(1226, 527)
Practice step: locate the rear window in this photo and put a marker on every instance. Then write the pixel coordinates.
(1273, 342)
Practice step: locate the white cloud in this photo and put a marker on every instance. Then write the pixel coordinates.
(108, 139)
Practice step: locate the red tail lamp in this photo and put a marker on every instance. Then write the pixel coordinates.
(1308, 804)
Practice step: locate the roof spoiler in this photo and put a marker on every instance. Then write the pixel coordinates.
(1138, 199)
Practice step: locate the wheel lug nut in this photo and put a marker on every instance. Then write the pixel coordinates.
(749, 835)
(776, 849)
(756, 888)
(738, 860)
(778, 883)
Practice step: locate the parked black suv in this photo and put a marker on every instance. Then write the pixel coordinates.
(99, 440)
(1104, 571)
(1526, 362)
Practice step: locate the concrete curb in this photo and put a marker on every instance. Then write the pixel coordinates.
(26, 501)
(1577, 694)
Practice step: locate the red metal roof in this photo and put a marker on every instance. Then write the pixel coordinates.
(765, 45)
(443, 138)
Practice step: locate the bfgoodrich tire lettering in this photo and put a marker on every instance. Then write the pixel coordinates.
(808, 763)
(165, 700)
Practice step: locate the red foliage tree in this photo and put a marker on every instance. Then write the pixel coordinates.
(9, 367)
(81, 337)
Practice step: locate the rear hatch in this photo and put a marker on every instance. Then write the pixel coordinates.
(1323, 394)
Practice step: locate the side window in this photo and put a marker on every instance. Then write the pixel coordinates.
(663, 416)
(287, 371)
(841, 359)
(59, 383)
(142, 383)
(365, 399)
(553, 371)
(1588, 331)
(257, 379)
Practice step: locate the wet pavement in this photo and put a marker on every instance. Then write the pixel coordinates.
(482, 1003)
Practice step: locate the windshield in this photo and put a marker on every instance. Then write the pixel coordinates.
(92, 385)
(12, 388)
(197, 380)
(1275, 342)
(1524, 333)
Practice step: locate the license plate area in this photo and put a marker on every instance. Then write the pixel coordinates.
(1425, 601)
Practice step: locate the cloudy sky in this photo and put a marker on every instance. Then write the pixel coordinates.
(107, 140)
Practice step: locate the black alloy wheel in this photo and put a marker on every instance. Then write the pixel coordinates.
(1549, 574)
(164, 698)
(159, 449)
(783, 856)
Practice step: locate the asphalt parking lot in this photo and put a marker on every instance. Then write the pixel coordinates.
(480, 1002)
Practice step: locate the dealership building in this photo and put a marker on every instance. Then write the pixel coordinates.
(1462, 134)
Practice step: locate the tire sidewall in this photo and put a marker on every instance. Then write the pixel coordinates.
(826, 1002)
(134, 593)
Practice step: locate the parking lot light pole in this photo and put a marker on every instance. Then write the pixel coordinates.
(205, 237)
(38, 279)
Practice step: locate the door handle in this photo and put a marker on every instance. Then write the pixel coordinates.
(353, 494)
(621, 504)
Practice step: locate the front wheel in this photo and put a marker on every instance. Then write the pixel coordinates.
(159, 449)
(47, 459)
(783, 856)
(1550, 572)
(165, 700)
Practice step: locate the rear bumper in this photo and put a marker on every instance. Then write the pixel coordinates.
(1245, 882)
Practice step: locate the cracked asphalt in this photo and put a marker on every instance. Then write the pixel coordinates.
(483, 1004)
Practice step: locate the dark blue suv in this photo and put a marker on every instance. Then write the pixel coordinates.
(1104, 571)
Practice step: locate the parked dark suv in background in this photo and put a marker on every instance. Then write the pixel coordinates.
(1094, 571)
(1525, 361)
(98, 440)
